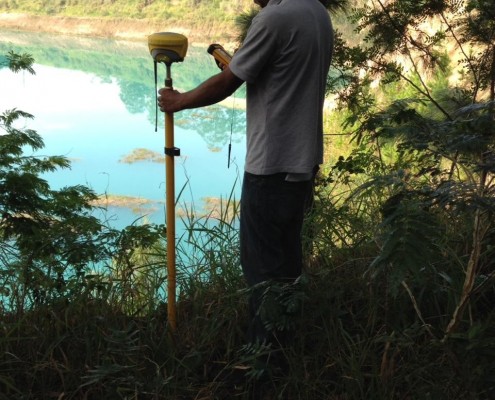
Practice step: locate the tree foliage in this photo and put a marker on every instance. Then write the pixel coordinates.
(51, 239)
(418, 93)
(436, 194)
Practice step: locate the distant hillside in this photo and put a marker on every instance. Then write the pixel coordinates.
(177, 10)
(130, 19)
(201, 20)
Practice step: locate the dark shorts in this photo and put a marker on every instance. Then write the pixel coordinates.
(272, 214)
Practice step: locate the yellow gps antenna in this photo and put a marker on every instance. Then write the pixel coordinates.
(219, 53)
(167, 48)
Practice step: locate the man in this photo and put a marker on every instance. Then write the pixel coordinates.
(284, 60)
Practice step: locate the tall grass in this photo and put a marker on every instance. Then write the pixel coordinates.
(354, 339)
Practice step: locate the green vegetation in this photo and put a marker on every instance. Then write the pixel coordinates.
(397, 300)
(201, 11)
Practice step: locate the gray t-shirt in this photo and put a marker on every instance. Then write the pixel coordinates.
(284, 61)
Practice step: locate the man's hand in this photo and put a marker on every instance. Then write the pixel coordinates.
(169, 100)
(220, 65)
(211, 91)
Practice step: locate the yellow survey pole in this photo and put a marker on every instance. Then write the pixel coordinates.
(167, 48)
(170, 153)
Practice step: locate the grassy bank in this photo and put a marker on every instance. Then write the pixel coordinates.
(187, 10)
(353, 337)
(131, 20)
(122, 28)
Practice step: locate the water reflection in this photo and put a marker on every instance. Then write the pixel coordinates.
(94, 102)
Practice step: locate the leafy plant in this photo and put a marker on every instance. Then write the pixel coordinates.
(420, 94)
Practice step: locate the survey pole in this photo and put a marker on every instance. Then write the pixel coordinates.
(170, 153)
(167, 48)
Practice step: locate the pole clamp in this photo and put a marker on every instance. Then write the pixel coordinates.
(172, 151)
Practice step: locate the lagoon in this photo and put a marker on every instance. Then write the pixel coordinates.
(93, 101)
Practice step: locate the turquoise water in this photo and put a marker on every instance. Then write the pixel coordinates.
(93, 102)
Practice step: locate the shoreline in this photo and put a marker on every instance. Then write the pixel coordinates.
(119, 29)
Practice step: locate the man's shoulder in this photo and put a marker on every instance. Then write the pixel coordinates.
(274, 15)
(278, 11)
(268, 13)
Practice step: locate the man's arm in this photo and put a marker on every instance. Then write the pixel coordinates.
(211, 91)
